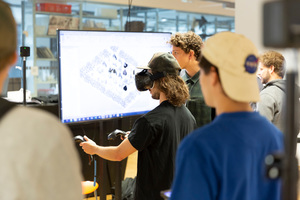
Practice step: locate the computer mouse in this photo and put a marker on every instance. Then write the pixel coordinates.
(79, 139)
(113, 135)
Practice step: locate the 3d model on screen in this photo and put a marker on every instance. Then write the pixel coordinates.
(117, 67)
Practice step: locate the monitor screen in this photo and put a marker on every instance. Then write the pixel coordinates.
(97, 73)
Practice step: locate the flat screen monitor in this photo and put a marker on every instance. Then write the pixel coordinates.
(97, 73)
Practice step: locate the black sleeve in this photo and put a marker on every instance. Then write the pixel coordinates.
(141, 134)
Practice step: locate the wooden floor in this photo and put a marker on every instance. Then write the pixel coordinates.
(130, 172)
(131, 165)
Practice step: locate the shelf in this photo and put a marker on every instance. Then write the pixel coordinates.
(97, 17)
(56, 13)
(41, 23)
(45, 36)
(46, 82)
(46, 59)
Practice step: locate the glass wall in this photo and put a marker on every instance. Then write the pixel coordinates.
(163, 20)
(37, 25)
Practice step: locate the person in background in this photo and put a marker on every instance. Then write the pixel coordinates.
(38, 156)
(157, 134)
(271, 71)
(187, 51)
(225, 159)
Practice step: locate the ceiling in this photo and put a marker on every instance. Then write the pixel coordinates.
(212, 7)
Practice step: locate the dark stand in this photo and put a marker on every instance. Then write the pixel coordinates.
(279, 19)
(286, 165)
(102, 165)
(118, 172)
(290, 162)
(24, 52)
(24, 81)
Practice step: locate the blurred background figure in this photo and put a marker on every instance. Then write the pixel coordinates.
(37, 153)
(271, 71)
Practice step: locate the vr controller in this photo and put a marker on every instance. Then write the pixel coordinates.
(79, 139)
(113, 135)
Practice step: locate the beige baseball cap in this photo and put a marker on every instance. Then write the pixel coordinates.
(236, 58)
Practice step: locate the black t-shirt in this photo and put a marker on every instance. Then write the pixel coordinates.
(156, 136)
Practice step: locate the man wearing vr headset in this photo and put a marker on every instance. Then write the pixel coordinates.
(157, 134)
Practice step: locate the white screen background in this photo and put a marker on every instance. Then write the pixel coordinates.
(97, 72)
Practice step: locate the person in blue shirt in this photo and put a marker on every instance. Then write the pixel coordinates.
(224, 160)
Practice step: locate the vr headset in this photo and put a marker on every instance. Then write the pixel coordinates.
(145, 80)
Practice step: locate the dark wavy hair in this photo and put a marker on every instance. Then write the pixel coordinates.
(174, 88)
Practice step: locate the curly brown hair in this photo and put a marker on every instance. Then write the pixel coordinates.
(187, 42)
(276, 59)
(174, 88)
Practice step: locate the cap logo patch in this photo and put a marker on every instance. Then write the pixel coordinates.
(251, 64)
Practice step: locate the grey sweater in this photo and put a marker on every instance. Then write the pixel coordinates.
(271, 102)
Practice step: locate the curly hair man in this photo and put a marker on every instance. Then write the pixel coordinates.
(271, 71)
(187, 50)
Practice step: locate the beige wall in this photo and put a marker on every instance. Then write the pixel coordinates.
(249, 21)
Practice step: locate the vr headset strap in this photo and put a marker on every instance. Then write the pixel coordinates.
(158, 76)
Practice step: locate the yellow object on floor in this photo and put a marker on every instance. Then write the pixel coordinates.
(88, 187)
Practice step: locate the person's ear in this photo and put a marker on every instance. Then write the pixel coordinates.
(214, 76)
(271, 69)
(191, 54)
